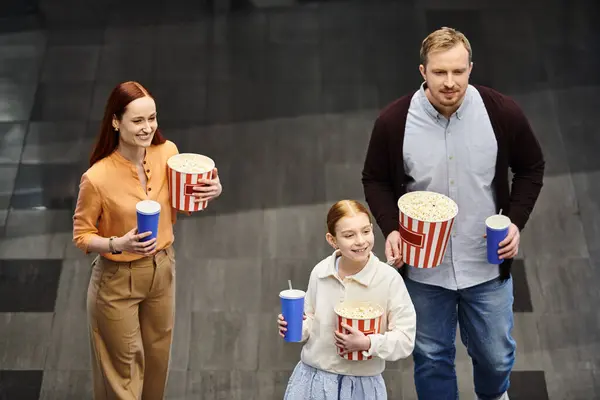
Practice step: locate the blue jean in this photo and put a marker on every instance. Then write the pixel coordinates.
(485, 317)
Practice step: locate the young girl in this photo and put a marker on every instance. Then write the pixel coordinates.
(351, 273)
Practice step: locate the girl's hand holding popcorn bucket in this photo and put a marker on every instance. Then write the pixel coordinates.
(193, 181)
(355, 322)
(352, 343)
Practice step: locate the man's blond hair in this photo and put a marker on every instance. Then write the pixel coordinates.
(443, 39)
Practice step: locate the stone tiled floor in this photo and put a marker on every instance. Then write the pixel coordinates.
(283, 100)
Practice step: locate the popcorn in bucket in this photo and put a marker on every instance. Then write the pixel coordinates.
(184, 171)
(426, 220)
(364, 316)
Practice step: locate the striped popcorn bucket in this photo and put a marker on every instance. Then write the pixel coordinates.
(184, 170)
(424, 243)
(369, 324)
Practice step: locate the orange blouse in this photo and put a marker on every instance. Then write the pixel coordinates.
(109, 192)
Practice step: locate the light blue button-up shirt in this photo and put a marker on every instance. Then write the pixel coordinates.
(455, 157)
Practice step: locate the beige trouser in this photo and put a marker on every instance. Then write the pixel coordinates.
(131, 309)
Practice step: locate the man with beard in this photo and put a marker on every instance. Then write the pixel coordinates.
(459, 140)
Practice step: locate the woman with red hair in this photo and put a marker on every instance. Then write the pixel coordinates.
(131, 294)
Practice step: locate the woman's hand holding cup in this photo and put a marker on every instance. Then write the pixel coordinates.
(132, 242)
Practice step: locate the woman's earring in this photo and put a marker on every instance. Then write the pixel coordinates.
(116, 129)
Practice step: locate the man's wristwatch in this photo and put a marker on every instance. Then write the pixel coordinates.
(111, 245)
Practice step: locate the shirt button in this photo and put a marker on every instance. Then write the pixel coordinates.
(451, 157)
(452, 182)
(149, 189)
(144, 162)
(148, 171)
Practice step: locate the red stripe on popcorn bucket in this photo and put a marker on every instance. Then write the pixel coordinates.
(368, 325)
(184, 171)
(425, 234)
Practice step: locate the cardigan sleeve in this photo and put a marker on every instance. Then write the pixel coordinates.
(377, 179)
(527, 165)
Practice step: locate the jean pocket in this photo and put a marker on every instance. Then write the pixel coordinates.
(498, 283)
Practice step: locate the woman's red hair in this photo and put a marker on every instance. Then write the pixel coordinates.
(119, 99)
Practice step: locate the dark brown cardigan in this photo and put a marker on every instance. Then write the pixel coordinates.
(384, 179)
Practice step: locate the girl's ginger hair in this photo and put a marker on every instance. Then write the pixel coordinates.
(344, 208)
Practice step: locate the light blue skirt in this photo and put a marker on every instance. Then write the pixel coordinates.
(308, 383)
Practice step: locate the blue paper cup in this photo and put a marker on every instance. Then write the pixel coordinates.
(497, 230)
(148, 212)
(292, 309)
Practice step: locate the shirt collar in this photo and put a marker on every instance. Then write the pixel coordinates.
(430, 109)
(364, 277)
(115, 155)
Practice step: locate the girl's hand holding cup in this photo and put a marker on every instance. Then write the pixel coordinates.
(283, 324)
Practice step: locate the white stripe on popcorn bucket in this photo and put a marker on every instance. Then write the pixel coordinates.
(424, 242)
(184, 171)
(368, 326)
